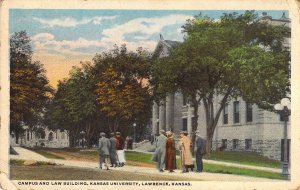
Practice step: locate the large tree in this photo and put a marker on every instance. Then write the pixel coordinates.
(29, 87)
(238, 55)
(122, 88)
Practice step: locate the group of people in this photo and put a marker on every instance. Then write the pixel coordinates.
(111, 150)
(165, 152)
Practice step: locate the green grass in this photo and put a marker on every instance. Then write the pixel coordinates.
(248, 158)
(212, 168)
(47, 154)
(17, 162)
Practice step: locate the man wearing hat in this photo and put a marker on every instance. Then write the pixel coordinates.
(112, 150)
(104, 146)
(159, 155)
(184, 145)
(199, 151)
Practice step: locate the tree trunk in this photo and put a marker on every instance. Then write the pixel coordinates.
(195, 103)
(212, 118)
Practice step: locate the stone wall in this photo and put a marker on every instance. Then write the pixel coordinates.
(269, 148)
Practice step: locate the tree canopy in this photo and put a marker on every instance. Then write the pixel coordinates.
(29, 87)
(238, 55)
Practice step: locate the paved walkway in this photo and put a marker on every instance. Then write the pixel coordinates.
(25, 154)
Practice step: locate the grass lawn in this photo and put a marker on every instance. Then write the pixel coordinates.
(248, 158)
(136, 157)
(212, 168)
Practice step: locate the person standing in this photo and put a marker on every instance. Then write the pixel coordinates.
(199, 151)
(159, 155)
(184, 145)
(120, 149)
(170, 152)
(113, 150)
(104, 147)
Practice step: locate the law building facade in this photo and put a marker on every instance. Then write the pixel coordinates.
(241, 127)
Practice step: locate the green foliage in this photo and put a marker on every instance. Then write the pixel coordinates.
(122, 88)
(29, 87)
(227, 58)
(103, 95)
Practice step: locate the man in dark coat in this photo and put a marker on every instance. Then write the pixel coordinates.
(113, 150)
(199, 151)
(104, 146)
(120, 149)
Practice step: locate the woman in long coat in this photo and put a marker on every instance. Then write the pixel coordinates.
(170, 152)
(184, 145)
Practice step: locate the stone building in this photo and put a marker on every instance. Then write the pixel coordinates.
(43, 137)
(241, 127)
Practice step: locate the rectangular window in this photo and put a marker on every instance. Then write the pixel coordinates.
(184, 124)
(185, 100)
(225, 114)
(224, 143)
(249, 112)
(248, 144)
(236, 112)
(235, 143)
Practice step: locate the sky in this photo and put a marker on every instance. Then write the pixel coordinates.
(62, 38)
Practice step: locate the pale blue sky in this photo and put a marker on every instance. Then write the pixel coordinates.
(68, 36)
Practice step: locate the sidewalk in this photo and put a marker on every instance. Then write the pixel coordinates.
(275, 170)
(25, 154)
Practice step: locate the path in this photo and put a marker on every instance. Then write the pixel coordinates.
(25, 154)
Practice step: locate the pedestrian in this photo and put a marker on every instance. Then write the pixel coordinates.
(104, 147)
(200, 150)
(170, 152)
(184, 146)
(113, 150)
(120, 149)
(159, 155)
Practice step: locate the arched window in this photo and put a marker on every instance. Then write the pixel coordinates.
(50, 137)
(63, 135)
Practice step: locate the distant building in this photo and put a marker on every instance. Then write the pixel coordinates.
(241, 127)
(42, 137)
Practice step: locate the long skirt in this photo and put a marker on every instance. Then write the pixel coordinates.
(121, 156)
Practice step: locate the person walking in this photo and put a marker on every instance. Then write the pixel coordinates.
(159, 155)
(120, 149)
(104, 147)
(200, 150)
(184, 145)
(113, 150)
(170, 152)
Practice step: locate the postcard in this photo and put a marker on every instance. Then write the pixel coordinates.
(150, 94)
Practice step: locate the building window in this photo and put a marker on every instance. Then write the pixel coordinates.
(224, 143)
(184, 124)
(249, 112)
(236, 112)
(225, 114)
(56, 134)
(184, 100)
(248, 144)
(50, 136)
(63, 135)
(235, 143)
